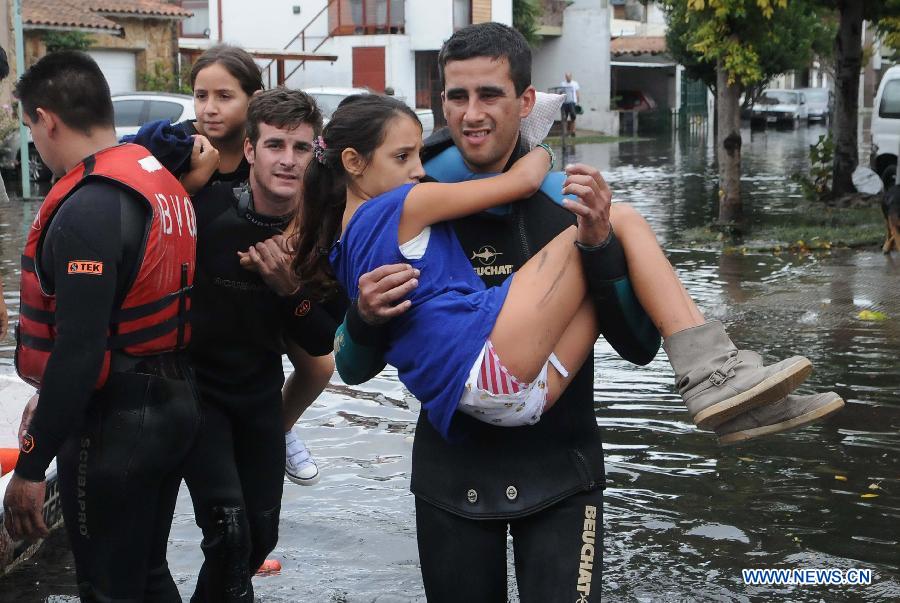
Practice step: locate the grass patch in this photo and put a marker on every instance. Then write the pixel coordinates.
(812, 227)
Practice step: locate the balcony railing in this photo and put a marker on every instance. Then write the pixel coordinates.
(355, 17)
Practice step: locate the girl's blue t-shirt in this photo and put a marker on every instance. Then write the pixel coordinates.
(434, 344)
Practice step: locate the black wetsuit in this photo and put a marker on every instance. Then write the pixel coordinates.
(119, 449)
(543, 482)
(235, 473)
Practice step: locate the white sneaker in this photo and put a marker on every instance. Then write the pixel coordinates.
(299, 465)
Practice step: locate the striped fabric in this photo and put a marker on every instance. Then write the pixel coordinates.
(494, 377)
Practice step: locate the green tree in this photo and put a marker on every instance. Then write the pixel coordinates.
(526, 18)
(734, 45)
(67, 40)
(848, 57)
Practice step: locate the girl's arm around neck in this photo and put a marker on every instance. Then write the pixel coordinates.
(432, 202)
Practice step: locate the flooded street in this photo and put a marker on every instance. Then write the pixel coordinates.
(682, 516)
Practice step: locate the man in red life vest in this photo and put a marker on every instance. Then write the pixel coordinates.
(106, 272)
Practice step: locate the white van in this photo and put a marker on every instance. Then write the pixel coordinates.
(886, 127)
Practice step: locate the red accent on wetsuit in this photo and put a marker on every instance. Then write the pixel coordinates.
(152, 317)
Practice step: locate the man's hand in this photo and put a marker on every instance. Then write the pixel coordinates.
(27, 415)
(271, 259)
(381, 292)
(23, 509)
(593, 211)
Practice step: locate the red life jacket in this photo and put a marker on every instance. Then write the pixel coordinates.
(153, 316)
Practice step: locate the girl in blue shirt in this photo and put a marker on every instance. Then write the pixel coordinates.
(503, 354)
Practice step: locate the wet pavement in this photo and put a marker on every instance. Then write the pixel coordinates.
(682, 516)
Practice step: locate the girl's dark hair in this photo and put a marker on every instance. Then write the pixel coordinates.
(236, 61)
(360, 123)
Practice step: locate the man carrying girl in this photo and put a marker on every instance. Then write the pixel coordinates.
(485, 351)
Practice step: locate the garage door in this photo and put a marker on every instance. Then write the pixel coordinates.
(118, 68)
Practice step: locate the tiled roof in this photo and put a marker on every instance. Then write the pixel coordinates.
(637, 45)
(89, 14)
(64, 13)
(138, 7)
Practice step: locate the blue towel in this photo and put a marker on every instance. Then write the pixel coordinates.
(170, 143)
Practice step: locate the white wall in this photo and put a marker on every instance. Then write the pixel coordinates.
(269, 23)
(583, 49)
(399, 65)
(429, 23)
(501, 11)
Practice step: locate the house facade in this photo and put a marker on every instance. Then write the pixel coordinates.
(131, 40)
(576, 39)
(378, 43)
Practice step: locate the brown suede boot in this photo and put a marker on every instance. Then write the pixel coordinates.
(717, 381)
(788, 413)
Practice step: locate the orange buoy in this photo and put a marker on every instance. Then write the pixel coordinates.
(8, 459)
(269, 566)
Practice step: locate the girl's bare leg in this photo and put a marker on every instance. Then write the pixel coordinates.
(572, 350)
(305, 384)
(655, 282)
(544, 297)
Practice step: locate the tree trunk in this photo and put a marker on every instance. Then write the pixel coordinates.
(848, 62)
(728, 148)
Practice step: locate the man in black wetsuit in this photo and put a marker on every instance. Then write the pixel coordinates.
(105, 275)
(542, 483)
(241, 319)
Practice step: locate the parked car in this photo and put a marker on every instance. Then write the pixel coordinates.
(131, 111)
(633, 100)
(886, 127)
(328, 98)
(134, 109)
(785, 107)
(819, 103)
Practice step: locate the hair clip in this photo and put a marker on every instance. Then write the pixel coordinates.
(319, 147)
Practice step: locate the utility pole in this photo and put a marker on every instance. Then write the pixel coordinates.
(24, 160)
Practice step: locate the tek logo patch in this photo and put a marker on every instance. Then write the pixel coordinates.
(26, 445)
(303, 308)
(86, 267)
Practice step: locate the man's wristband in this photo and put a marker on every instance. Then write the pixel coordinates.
(602, 245)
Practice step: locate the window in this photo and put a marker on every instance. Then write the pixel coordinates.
(890, 101)
(164, 110)
(128, 113)
(198, 25)
(366, 17)
(462, 13)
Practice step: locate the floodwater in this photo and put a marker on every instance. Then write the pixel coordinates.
(682, 516)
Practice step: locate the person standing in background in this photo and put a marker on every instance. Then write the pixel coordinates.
(570, 88)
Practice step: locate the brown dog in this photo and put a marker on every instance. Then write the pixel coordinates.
(890, 207)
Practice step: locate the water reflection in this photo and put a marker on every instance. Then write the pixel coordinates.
(681, 515)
